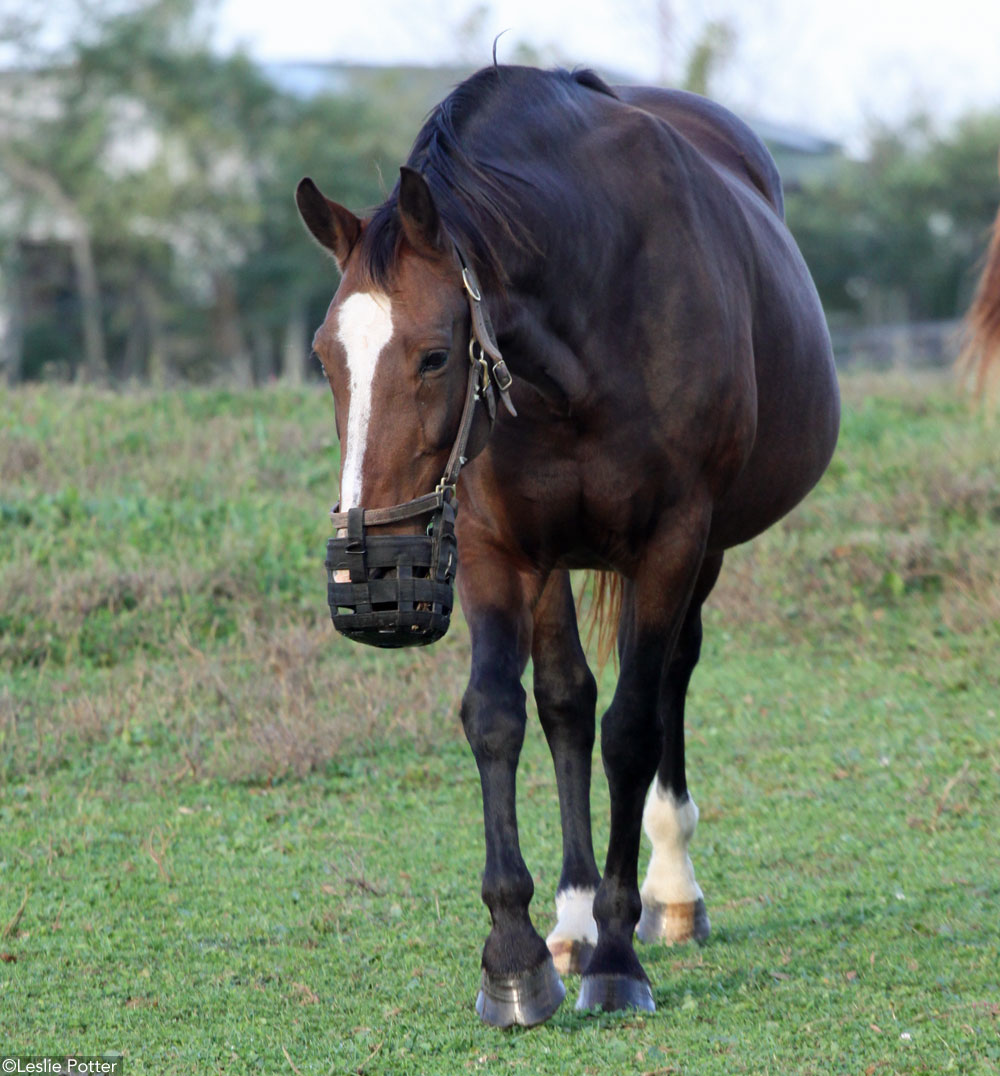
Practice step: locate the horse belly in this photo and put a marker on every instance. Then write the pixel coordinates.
(798, 420)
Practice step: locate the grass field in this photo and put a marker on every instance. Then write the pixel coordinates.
(230, 842)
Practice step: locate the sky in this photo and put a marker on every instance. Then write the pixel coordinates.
(835, 69)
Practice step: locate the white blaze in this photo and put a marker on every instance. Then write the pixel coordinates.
(364, 327)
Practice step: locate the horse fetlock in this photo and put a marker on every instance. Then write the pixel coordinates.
(668, 819)
(507, 896)
(617, 909)
(513, 947)
(574, 937)
(614, 978)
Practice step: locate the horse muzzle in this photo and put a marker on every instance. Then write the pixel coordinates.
(393, 590)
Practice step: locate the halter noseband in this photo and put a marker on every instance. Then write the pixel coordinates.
(400, 588)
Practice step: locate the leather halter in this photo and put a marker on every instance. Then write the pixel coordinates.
(398, 589)
(486, 370)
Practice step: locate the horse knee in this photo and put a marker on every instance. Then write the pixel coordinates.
(494, 717)
(571, 687)
(566, 706)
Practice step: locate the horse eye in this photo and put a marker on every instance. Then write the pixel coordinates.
(433, 360)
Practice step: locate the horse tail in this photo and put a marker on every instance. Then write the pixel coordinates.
(607, 591)
(979, 361)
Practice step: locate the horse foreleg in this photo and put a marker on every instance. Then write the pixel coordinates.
(519, 983)
(566, 694)
(657, 599)
(673, 907)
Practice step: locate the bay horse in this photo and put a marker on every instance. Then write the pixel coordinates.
(614, 263)
(980, 356)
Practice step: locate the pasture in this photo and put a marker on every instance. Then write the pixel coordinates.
(232, 842)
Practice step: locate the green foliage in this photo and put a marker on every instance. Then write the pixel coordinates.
(711, 51)
(897, 236)
(104, 503)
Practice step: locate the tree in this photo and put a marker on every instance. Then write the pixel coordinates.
(205, 118)
(172, 172)
(897, 236)
(50, 162)
(286, 286)
(711, 51)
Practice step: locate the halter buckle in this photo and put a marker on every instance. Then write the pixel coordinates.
(480, 361)
(471, 284)
(502, 375)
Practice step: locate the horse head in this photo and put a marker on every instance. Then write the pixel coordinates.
(407, 351)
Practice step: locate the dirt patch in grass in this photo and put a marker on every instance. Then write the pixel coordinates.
(275, 700)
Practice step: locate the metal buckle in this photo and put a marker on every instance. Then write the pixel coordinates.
(502, 375)
(471, 284)
(480, 361)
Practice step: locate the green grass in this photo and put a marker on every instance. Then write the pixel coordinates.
(243, 845)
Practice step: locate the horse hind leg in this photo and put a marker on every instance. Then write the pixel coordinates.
(673, 906)
(566, 694)
(656, 604)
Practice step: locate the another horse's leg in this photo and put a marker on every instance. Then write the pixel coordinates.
(673, 907)
(520, 984)
(566, 694)
(657, 599)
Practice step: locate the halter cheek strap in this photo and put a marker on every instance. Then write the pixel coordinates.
(488, 375)
(483, 334)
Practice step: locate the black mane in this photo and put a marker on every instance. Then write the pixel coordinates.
(467, 151)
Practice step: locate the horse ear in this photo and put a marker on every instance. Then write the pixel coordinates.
(418, 214)
(335, 227)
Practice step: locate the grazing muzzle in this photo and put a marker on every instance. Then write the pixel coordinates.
(399, 588)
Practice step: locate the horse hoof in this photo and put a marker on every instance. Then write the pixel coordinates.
(673, 923)
(614, 992)
(570, 955)
(527, 999)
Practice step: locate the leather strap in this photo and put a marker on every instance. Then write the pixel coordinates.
(482, 330)
(456, 461)
(374, 516)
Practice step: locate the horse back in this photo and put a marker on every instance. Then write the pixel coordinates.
(722, 138)
(796, 400)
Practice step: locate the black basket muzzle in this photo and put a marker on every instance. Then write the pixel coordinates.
(393, 590)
